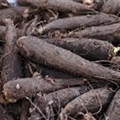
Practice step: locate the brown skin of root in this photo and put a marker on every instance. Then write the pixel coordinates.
(11, 64)
(113, 110)
(79, 22)
(108, 33)
(91, 49)
(64, 60)
(92, 101)
(28, 87)
(62, 6)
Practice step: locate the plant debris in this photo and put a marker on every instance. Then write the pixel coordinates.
(59, 59)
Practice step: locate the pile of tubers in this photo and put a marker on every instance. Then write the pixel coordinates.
(60, 60)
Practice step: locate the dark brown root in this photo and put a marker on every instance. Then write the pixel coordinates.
(92, 101)
(56, 57)
(28, 87)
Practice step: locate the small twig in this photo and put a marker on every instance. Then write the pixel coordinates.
(36, 107)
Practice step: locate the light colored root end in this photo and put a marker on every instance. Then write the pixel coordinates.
(40, 30)
(5, 93)
(116, 50)
(63, 116)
